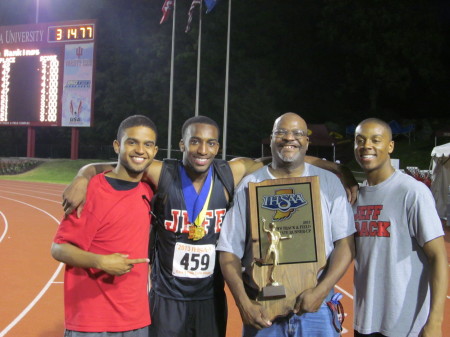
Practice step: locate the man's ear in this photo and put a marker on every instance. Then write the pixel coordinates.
(181, 144)
(391, 147)
(116, 146)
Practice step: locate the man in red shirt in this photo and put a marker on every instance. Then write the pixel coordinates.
(106, 249)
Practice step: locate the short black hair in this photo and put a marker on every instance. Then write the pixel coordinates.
(135, 120)
(379, 122)
(199, 120)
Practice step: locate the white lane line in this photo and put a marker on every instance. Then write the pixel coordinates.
(32, 196)
(343, 291)
(6, 226)
(28, 190)
(48, 284)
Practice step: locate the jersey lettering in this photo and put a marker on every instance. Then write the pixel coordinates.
(180, 221)
(366, 224)
(220, 213)
(369, 212)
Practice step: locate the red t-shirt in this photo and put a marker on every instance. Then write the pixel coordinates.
(112, 221)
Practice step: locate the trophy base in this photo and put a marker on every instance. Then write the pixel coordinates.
(273, 291)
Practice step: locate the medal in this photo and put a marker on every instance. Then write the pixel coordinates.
(196, 232)
(196, 204)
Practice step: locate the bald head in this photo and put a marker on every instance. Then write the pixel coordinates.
(379, 122)
(290, 118)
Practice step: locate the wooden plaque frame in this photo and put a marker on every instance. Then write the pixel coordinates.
(293, 205)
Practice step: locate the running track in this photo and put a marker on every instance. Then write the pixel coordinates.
(31, 286)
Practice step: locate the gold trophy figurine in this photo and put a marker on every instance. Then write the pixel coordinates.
(274, 289)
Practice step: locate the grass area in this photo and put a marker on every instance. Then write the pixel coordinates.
(59, 171)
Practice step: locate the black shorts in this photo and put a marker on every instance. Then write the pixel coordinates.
(175, 318)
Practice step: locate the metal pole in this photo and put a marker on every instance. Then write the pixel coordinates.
(37, 11)
(227, 71)
(197, 89)
(169, 127)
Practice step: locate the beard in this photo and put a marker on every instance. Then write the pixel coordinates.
(291, 158)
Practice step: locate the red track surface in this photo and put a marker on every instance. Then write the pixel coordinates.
(31, 300)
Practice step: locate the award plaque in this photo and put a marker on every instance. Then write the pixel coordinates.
(287, 240)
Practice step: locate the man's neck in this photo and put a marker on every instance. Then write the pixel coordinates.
(378, 176)
(198, 179)
(286, 170)
(122, 174)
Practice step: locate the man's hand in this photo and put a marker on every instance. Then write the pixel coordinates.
(74, 196)
(349, 182)
(308, 301)
(254, 314)
(118, 264)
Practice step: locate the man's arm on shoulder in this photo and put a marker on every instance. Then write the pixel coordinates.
(437, 258)
(74, 196)
(242, 166)
(251, 313)
(341, 257)
(113, 264)
(345, 175)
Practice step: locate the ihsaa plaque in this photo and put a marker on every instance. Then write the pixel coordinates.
(287, 240)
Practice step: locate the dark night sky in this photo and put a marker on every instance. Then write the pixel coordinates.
(333, 62)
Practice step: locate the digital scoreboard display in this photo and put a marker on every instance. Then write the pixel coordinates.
(47, 73)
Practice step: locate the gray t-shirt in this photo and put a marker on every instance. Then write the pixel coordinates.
(336, 213)
(394, 219)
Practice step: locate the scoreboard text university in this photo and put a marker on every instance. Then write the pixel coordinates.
(46, 74)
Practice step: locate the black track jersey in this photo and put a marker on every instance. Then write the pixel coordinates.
(185, 269)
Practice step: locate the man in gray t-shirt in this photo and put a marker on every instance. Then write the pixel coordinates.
(311, 316)
(401, 263)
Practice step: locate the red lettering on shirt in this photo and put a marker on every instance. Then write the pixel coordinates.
(172, 225)
(372, 228)
(220, 213)
(185, 223)
(181, 223)
(366, 223)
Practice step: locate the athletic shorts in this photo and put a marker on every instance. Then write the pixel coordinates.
(174, 318)
(143, 332)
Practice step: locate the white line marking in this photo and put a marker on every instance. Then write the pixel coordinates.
(31, 305)
(6, 226)
(36, 191)
(345, 292)
(44, 290)
(31, 196)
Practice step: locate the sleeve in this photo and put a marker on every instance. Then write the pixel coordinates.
(423, 219)
(341, 214)
(77, 231)
(233, 232)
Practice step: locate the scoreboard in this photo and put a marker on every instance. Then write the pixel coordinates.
(47, 74)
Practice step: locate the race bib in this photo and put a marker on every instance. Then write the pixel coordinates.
(193, 261)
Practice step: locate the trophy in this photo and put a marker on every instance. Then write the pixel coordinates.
(287, 240)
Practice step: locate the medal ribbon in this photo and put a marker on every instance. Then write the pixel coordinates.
(196, 203)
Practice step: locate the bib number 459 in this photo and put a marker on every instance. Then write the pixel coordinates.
(193, 261)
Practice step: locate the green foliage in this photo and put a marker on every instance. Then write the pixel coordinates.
(60, 171)
(17, 165)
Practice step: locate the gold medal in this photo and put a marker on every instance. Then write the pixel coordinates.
(196, 232)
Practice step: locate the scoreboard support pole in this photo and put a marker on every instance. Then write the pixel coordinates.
(74, 143)
(31, 142)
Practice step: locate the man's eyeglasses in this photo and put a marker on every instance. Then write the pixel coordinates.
(280, 133)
